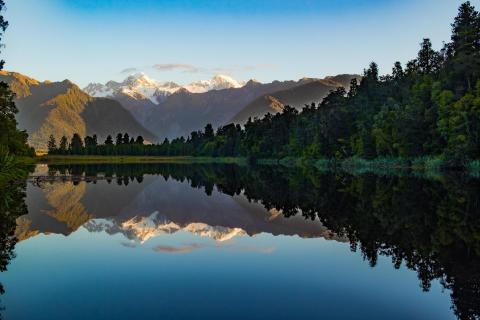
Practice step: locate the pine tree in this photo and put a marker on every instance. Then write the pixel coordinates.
(63, 148)
(119, 139)
(126, 138)
(209, 133)
(14, 140)
(466, 30)
(52, 144)
(464, 49)
(76, 144)
(428, 59)
(109, 140)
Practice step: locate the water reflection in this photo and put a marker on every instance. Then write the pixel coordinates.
(12, 205)
(122, 200)
(430, 225)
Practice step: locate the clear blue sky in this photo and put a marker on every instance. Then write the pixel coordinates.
(187, 40)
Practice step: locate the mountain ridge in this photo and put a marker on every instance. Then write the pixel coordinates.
(309, 90)
(184, 112)
(62, 108)
(140, 86)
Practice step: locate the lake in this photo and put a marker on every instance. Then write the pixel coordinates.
(200, 241)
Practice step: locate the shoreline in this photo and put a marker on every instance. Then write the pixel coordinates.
(351, 164)
(80, 159)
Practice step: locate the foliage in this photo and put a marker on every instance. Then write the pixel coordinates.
(12, 140)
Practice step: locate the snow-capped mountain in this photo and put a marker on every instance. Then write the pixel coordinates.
(218, 82)
(140, 86)
(142, 229)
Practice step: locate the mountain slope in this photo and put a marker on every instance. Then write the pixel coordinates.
(150, 208)
(140, 86)
(61, 108)
(218, 82)
(140, 94)
(311, 91)
(184, 112)
(170, 110)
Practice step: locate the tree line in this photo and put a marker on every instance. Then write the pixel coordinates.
(123, 145)
(12, 140)
(429, 107)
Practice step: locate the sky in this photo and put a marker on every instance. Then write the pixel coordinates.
(188, 40)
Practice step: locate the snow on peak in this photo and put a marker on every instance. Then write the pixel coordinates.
(217, 82)
(137, 86)
(140, 80)
(98, 90)
(144, 228)
(140, 86)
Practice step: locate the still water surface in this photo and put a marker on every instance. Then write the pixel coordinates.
(227, 242)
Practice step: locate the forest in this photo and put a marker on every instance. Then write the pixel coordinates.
(428, 108)
(13, 142)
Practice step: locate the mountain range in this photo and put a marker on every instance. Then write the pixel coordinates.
(150, 208)
(170, 110)
(308, 91)
(62, 108)
(140, 105)
(141, 86)
(141, 94)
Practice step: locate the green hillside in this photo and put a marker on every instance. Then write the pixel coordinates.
(62, 109)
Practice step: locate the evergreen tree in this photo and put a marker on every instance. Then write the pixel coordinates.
(12, 139)
(63, 147)
(464, 49)
(3, 27)
(428, 59)
(126, 138)
(109, 140)
(76, 144)
(52, 144)
(119, 139)
(209, 133)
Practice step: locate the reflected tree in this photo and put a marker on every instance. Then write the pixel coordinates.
(431, 226)
(12, 205)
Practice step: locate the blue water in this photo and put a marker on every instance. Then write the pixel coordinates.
(99, 274)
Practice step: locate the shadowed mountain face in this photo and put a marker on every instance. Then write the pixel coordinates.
(151, 206)
(61, 108)
(311, 91)
(141, 94)
(183, 112)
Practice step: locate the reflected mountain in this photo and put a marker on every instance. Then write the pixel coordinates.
(151, 206)
(430, 225)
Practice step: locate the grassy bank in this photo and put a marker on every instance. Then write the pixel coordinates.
(424, 165)
(75, 159)
(432, 165)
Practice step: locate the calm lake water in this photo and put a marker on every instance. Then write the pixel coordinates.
(228, 242)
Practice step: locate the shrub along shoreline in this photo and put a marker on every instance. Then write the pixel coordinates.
(422, 164)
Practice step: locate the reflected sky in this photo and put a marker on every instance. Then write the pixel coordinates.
(160, 248)
(94, 275)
